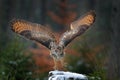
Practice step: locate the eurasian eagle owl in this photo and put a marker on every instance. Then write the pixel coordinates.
(39, 33)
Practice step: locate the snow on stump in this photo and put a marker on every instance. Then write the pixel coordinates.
(61, 75)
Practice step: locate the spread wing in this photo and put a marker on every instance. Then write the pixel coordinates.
(77, 28)
(32, 31)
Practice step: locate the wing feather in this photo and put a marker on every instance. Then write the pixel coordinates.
(32, 31)
(77, 28)
(87, 19)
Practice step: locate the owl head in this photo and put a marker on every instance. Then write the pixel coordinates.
(56, 51)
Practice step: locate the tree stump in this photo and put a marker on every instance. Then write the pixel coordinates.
(61, 75)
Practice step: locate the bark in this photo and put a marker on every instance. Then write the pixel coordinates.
(114, 56)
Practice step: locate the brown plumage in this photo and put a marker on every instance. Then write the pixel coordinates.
(32, 31)
(77, 28)
(37, 32)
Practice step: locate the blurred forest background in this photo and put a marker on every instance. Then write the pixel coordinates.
(95, 53)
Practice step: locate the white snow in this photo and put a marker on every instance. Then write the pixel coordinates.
(61, 75)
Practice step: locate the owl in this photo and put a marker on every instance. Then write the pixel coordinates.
(40, 34)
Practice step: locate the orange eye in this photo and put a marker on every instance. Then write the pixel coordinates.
(58, 48)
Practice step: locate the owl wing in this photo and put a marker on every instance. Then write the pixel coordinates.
(32, 31)
(77, 28)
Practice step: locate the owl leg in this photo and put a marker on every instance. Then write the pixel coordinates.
(55, 64)
(64, 65)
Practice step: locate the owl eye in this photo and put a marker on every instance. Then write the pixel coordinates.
(58, 48)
